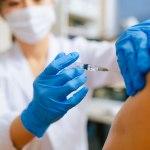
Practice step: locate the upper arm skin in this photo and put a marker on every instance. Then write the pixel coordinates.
(131, 127)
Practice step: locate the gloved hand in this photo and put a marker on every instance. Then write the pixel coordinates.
(133, 51)
(51, 88)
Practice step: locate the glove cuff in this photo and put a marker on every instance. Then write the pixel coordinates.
(31, 122)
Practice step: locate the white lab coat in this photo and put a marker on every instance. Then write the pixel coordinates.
(16, 92)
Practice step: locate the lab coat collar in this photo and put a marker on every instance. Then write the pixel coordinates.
(18, 58)
(22, 73)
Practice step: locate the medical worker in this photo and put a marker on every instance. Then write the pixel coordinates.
(30, 22)
(50, 102)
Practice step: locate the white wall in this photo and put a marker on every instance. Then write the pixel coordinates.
(109, 15)
(74, 9)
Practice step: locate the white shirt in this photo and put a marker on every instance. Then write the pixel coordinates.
(16, 92)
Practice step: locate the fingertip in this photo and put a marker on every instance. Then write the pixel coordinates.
(86, 89)
(60, 55)
(144, 67)
(139, 81)
(78, 97)
(140, 84)
(131, 92)
(130, 89)
(74, 55)
(80, 70)
(83, 92)
(84, 78)
(66, 61)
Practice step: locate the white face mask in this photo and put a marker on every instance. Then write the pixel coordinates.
(32, 24)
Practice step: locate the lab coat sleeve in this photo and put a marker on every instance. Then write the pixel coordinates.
(102, 54)
(6, 118)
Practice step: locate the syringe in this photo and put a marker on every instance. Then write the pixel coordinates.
(91, 67)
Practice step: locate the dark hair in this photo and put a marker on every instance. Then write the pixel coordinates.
(1, 2)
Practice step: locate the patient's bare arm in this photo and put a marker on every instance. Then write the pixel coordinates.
(131, 127)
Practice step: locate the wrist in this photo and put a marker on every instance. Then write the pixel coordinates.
(19, 135)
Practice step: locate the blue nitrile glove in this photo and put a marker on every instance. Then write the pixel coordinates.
(51, 88)
(133, 51)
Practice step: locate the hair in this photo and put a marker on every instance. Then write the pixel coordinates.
(1, 2)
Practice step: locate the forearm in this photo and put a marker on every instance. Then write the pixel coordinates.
(131, 128)
(19, 135)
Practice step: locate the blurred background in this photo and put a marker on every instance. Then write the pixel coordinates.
(95, 20)
(105, 19)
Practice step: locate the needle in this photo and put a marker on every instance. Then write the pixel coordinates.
(90, 67)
